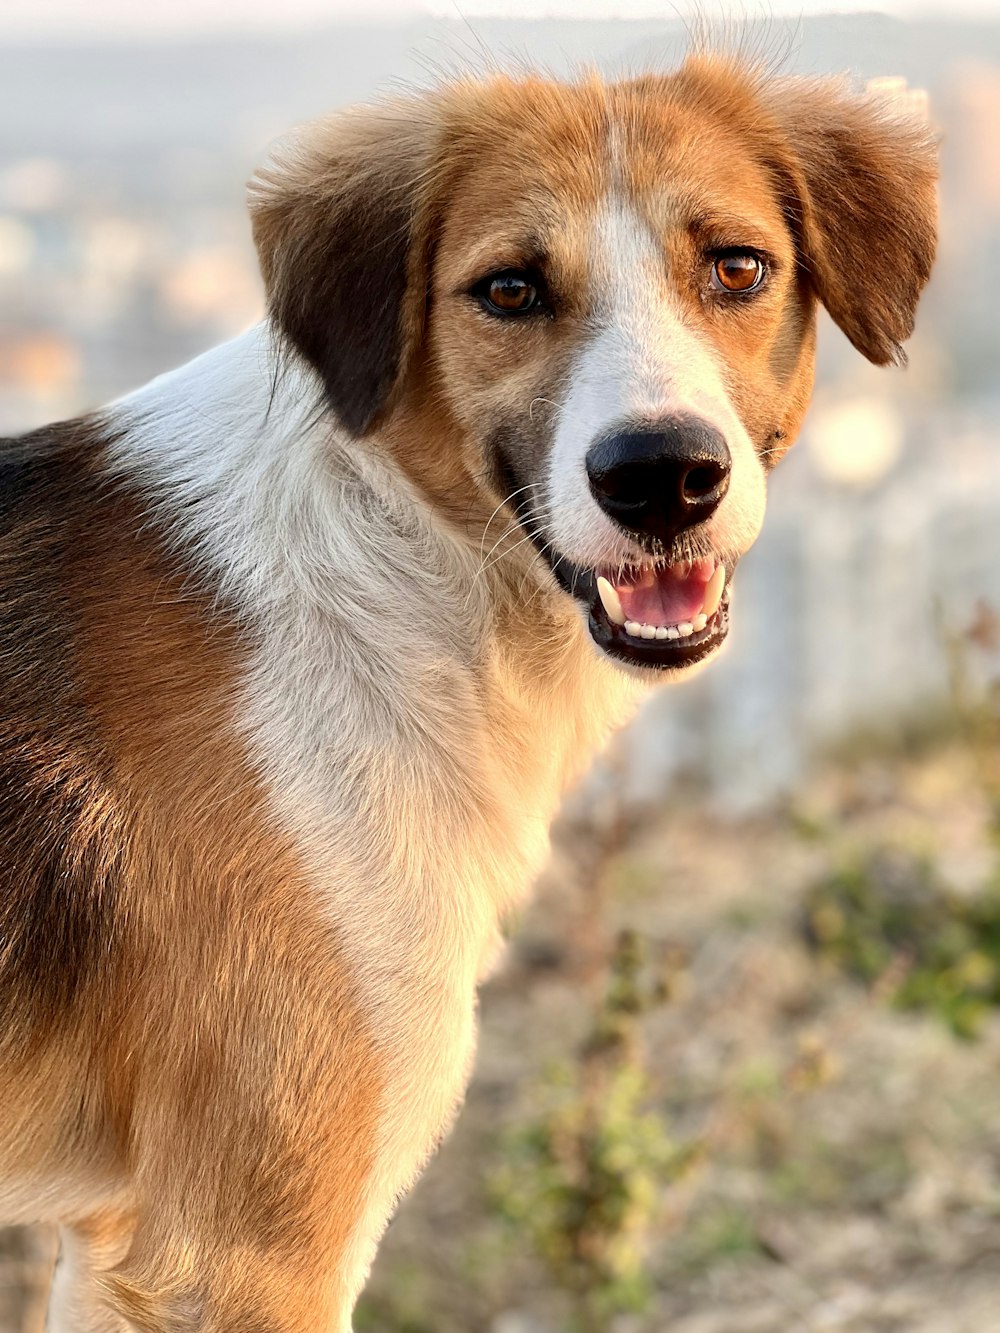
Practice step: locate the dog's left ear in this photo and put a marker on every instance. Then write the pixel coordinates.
(862, 177)
(341, 223)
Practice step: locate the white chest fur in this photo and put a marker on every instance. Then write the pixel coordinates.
(413, 758)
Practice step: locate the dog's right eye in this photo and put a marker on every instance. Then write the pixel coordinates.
(509, 293)
(740, 271)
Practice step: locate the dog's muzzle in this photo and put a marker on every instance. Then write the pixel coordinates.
(658, 483)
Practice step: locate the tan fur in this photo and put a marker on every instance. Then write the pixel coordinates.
(259, 844)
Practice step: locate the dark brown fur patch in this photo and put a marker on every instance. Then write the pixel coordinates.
(337, 227)
(60, 831)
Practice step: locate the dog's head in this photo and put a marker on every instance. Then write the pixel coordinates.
(594, 305)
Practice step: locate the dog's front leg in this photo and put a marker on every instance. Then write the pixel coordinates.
(262, 1165)
(257, 1230)
(171, 1280)
(77, 1303)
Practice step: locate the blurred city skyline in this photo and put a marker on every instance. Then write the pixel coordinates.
(102, 20)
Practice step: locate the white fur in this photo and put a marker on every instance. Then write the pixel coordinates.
(75, 1303)
(643, 362)
(386, 716)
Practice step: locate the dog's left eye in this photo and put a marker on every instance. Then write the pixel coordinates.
(738, 271)
(510, 293)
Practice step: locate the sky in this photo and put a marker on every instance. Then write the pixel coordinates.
(61, 19)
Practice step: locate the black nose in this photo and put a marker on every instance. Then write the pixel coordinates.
(659, 481)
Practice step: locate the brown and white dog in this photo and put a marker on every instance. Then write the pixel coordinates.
(302, 642)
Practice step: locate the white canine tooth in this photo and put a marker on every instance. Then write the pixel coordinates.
(699, 622)
(673, 632)
(713, 591)
(648, 631)
(633, 627)
(682, 569)
(661, 631)
(685, 628)
(611, 601)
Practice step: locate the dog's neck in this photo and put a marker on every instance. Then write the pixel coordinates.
(384, 642)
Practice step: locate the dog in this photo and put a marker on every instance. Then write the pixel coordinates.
(303, 642)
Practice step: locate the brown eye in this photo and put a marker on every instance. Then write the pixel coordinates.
(738, 272)
(509, 293)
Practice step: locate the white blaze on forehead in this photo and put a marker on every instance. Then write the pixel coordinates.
(644, 361)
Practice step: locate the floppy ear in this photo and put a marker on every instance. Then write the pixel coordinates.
(862, 175)
(341, 227)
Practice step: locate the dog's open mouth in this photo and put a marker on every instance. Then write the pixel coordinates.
(663, 616)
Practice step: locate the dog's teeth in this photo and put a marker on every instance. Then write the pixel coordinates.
(662, 632)
(713, 592)
(610, 601)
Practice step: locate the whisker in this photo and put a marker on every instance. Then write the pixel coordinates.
(490, 560)
(531, 524)
(520, 491)
(547, 401)
(512, 527)
(526, 538)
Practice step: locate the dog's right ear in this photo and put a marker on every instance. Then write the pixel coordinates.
(341, 223)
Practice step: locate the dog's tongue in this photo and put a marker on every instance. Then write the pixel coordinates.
(668, 595)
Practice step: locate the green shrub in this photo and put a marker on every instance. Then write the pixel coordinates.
(582, 1182)
(889, 920)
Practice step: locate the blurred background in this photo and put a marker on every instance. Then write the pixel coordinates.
(742, 1069)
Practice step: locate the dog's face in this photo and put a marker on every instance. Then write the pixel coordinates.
(594, 306)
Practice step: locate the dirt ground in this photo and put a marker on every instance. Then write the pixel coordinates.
(847, 1172)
